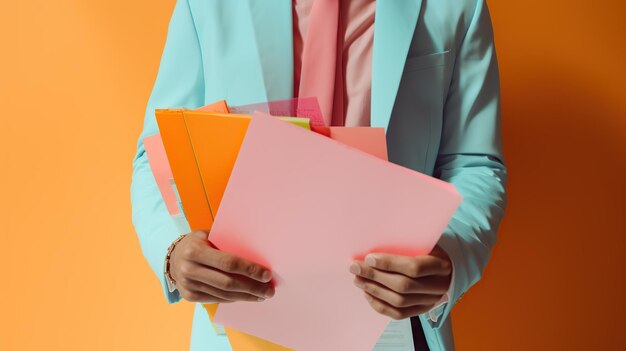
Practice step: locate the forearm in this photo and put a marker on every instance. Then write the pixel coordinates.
(472, 232)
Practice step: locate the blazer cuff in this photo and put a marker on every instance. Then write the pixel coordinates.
(437, 315)
(437, 310)
(171, 296)
(161, 244)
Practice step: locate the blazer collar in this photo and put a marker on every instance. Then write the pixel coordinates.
(394, 27)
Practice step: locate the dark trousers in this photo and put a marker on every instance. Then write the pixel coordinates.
(419, 340)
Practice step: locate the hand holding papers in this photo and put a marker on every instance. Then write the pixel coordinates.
(305, 206)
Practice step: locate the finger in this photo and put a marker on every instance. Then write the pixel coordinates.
(197, 296)
(200, 234)
(222, 294)
(401, 283)
(394, 312)
(226, 262)
(411, 266)
(393, 298)
(229, 282)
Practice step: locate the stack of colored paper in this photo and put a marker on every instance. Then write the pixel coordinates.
(304, 205)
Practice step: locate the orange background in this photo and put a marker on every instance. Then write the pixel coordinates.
(71, 269)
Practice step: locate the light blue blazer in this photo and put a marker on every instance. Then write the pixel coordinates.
(435, 88)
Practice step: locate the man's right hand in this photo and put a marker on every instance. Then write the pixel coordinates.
(206, 275)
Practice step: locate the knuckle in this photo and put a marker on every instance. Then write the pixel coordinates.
(199, 233)
(400, 301)
(369, 273)
(422, 287)
(189, 251)
(404, 285)
(371, 289)
(185, 269)
(227, 263)
(416, 269)
(219, 283)
(229, 284)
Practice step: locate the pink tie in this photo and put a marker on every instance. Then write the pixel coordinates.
(322, 74)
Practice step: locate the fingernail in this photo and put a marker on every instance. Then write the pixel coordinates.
(260, 299)
(269, 293)
(368, 298)
(267, 276)
(358, 284)
(354, 268)
(370, 260)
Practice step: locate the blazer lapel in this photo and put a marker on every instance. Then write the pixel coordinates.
(393, 31)
(273, 37)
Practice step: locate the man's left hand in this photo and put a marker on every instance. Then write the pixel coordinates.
(403, 286)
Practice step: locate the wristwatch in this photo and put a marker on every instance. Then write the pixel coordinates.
(171, 283)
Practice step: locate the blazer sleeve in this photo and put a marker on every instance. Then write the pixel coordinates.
(179, 83)
(470, 157)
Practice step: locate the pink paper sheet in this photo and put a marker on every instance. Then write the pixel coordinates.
(370, 140)
(305, 206)
(157, 158)
(298, 107)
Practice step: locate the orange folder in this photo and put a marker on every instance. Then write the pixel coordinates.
(181, 157)
(216, 141)
(202, 148)
(180, 153)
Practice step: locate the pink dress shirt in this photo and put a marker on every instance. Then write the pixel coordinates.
(358, 39)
